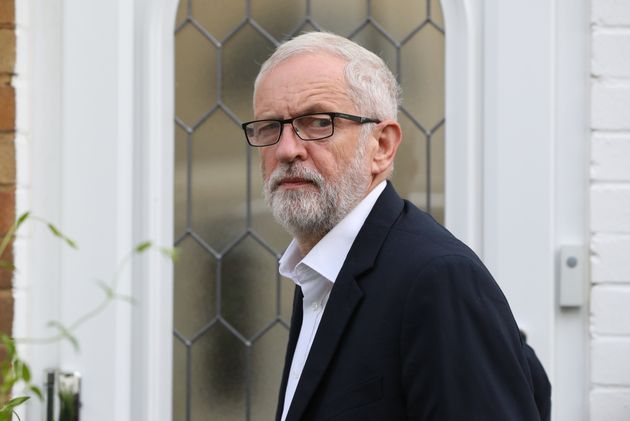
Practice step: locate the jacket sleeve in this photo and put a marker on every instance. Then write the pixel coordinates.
(462, 356)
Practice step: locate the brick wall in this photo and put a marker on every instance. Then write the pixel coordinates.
(7, 152)
(610, 210)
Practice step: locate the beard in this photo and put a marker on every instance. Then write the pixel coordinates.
(313, 212)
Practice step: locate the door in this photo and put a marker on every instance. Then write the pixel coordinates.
(231, 308)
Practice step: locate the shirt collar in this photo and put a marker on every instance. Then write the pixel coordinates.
(329, 254)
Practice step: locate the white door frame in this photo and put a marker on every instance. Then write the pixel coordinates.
(511, 111)
(95, 109)
(517, 164)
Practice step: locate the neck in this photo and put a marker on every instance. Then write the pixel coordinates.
(306, 244)
(307, 240)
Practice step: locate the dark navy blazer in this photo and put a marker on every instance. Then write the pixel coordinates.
(415, 328)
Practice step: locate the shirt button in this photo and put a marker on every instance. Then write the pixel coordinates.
(295, 375)
(315, 306)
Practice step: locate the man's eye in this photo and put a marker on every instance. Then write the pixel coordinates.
(322, 122)
(267, 127)
(316, 122)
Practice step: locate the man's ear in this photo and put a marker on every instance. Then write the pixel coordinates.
(388, 136)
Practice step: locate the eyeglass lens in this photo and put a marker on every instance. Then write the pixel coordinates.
(308, 127)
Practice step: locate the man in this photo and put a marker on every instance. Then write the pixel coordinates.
(393, 318)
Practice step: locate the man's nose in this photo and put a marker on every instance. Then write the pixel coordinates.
(290, 147)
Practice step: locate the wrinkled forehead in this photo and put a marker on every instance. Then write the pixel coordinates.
(302, 67)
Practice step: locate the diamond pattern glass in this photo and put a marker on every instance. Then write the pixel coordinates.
(232, 308)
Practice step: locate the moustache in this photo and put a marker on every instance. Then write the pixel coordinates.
(293, 172)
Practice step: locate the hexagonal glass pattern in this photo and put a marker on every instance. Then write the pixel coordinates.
(180, 380)
(410, 170)
(435, 13)
(422, 73)
(341, 17)
(437, 154)
(182, 12)
(181, 183)
(370, 38)
(219, 181)
(219, 25)
(266, 372)
(399, 17)
(195, 74)
(249, 287)
(231, 307)
(280, 18)
(238, 73)
(195, 289)
(219, 378)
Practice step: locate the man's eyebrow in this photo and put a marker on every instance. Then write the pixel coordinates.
(314, 109)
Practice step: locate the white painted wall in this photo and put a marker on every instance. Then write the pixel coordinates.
(610, 211)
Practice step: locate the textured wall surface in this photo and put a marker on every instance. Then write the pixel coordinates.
(7, 153)
(610, 210)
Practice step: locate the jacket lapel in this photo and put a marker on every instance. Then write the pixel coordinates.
(344, 299)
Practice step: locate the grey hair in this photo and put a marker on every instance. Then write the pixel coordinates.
(371, 85)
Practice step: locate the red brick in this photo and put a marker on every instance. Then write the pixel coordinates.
(6, 312)
(7, 50)
(7, 13)
(7, 110)
(7, 163)
(7, 209)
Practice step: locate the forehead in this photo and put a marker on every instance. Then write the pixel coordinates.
(303, 83)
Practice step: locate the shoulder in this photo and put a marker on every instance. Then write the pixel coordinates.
(425, 259)
(421, 241)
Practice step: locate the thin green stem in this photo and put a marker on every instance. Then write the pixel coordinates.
(90, 314)
(7, 237)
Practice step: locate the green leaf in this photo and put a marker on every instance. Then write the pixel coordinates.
(143, 246)
(26, 372)
(21, 219)
(37, 391)
(59, 234)
(18, 366)
(54, 230)
(71, 243)
(9, 344)
(172, 253)
(14, 403)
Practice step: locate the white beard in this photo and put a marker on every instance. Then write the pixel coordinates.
(314, 212)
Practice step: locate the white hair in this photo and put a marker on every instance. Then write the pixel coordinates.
(371, 85)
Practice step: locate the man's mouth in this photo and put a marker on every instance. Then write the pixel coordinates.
(290, 183)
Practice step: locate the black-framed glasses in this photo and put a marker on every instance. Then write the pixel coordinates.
(316, 126)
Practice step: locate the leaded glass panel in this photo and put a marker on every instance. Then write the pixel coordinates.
(232, 309)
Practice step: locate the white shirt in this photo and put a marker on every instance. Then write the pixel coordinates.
(315, 274)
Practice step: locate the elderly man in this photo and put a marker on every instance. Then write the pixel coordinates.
(393, 317)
